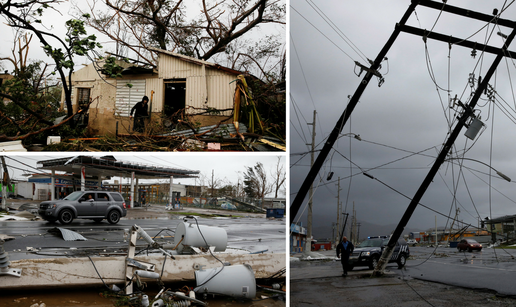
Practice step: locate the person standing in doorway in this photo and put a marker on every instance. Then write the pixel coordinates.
(344, 250)
(140, 113)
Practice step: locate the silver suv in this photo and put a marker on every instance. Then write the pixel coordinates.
(95, 205)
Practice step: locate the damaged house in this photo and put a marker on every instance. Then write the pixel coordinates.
(177, 86)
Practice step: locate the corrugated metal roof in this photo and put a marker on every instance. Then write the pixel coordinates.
(69, 235)
(223, 130)
(196, 61)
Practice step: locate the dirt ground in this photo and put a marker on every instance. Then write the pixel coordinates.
(98, 297)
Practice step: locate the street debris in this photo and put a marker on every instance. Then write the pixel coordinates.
(190, 235)
(12, 218)
(236, 281)
(6, 237)
(26, 214)
(67, 235)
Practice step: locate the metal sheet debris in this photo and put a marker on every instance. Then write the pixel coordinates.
(12, 146)
(224, 130)
(68, 235)
(12, 218)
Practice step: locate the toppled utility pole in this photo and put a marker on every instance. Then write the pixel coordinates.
(463, 118)
(309, 234)
(332, 138)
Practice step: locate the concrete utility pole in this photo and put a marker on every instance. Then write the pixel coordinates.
(308, 244)
(344, 227)
(332, 138)
(333, 234)
(6, 182)
(339, 210)
(468, 112)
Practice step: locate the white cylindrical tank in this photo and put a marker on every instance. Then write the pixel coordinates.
(234, 280)
(190, 235)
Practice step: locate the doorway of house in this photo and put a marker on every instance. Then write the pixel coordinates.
(175, 96)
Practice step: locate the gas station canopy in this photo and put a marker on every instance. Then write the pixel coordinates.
(108, 166)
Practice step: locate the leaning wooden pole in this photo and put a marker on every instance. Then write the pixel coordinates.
(332, 138)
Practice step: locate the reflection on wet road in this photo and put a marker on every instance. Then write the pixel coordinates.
(489, 269)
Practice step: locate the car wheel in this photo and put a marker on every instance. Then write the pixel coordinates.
(470, 250)
(113, 217)
(401, 261)
(65, 217)
(458, 249)
(374, 262)
(98, 220)
(351, 267)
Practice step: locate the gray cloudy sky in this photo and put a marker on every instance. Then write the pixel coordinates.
(408, 114)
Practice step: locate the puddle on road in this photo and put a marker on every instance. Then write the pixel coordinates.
(95, 297)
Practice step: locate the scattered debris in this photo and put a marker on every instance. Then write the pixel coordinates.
(67, 235)
(12, 218)
(6, 237)
(26, 214)
(234, 280)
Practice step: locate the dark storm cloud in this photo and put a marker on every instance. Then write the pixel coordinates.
(405, 115)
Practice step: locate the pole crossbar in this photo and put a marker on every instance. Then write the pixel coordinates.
(334, 134)
(455, 41)
(387, 252)
(466, 13)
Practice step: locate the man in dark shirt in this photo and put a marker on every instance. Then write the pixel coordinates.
(344, 250)
(140, 113)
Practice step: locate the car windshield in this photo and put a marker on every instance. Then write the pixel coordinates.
(371, 243)
(74, 196)
(470, 241)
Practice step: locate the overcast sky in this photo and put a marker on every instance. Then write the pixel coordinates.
(227, 167)
(53, 21)
(410, 113)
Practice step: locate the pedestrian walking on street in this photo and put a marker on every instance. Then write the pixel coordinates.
(140, 113)
(344, 250)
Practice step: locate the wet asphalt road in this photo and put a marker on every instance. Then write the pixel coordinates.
(492, 269)
(447, 278)
(252, 234)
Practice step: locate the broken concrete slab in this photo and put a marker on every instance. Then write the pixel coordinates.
(68, 272)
